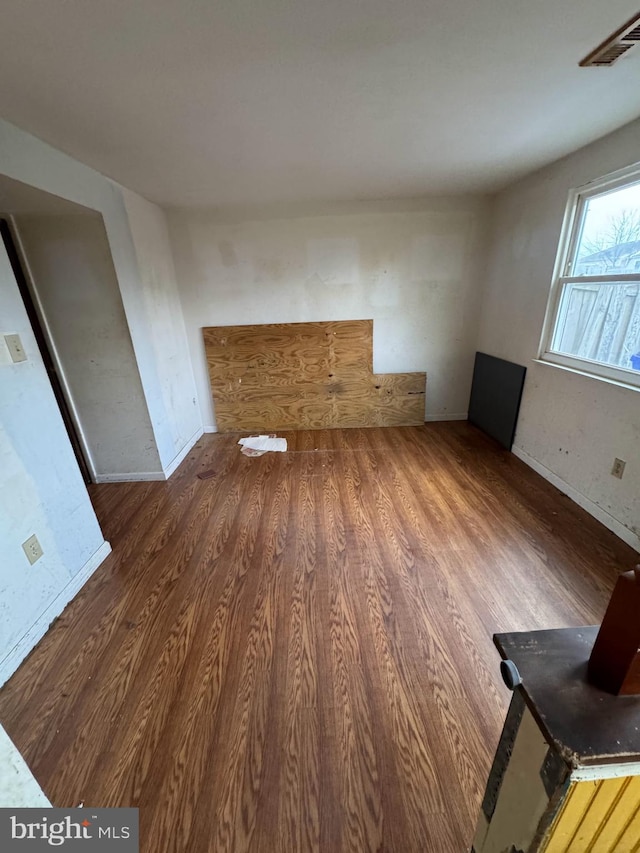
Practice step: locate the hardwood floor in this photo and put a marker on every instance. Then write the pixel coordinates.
(295, 654)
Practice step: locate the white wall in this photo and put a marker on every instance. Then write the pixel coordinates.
(18, 786)
(165, 327)
(27, 159)
(40, 484)
(41, 492)
(414, 267)
(571, 427)
(72, 272)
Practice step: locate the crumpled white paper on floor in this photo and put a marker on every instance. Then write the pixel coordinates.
(264, 443)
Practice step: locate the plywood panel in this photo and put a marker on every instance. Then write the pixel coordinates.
(306, 375)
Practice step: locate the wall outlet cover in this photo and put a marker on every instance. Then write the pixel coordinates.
(618, 468)
(32, 549)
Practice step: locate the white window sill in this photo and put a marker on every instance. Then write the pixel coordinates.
(619, 383)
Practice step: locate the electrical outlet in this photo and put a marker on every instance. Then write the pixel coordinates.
(618, 468)
(16, 350)
(32, 549)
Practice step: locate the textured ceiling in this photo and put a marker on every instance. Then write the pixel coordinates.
(241, 102)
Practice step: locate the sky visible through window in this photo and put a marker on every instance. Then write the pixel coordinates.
(598, 318)
(613, 215)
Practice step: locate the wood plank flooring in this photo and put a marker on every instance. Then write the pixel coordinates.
(295, 654)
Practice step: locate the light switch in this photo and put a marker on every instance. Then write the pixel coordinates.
(16, 350)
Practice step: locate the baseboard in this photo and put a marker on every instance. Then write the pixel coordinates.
(135, 477)
(428, 419)
(577, 497)
(29, 641)
(171, 467)
(152, 476)
(457, 417)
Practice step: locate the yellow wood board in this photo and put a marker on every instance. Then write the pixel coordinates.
(306, 376)
(598, 816)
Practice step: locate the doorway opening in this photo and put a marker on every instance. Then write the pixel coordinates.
(45, 352)
(63, 264)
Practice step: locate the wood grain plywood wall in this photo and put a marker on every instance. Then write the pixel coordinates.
(306, 376)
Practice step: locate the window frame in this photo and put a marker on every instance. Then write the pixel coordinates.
(570, 236)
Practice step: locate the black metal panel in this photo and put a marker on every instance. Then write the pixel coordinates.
(496, 392)
(503, 754)
(553, 772)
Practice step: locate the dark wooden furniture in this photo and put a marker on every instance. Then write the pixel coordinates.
(615, 660)
(567, 770)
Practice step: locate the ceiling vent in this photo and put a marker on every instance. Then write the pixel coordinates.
(615, 46)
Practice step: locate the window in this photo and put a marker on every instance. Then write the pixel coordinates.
(593, 320)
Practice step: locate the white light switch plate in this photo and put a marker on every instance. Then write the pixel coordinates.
(16, 350)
